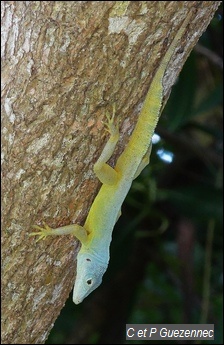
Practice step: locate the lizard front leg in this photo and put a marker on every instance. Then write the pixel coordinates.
(73, 229)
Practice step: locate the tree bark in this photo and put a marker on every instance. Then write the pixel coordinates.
(64, 64)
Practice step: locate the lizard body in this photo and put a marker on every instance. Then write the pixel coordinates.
(95, 235)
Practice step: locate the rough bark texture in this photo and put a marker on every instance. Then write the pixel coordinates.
(64, 63)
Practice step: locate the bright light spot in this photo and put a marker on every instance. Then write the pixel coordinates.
(155, 138)
(166, 156)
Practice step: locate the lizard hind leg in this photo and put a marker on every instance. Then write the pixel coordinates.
(144, 162)
(105, 173)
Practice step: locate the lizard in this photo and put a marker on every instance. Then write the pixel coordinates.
(96, 233)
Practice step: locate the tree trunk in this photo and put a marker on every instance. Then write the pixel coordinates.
(64, 64)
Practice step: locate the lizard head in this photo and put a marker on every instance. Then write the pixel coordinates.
(89, 276)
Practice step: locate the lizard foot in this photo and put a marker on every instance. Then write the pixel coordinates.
(110, 125)
(43, 233)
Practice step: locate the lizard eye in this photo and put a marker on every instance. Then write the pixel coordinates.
(89, 281)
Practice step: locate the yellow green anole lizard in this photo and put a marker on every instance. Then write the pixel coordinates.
(95, 235)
